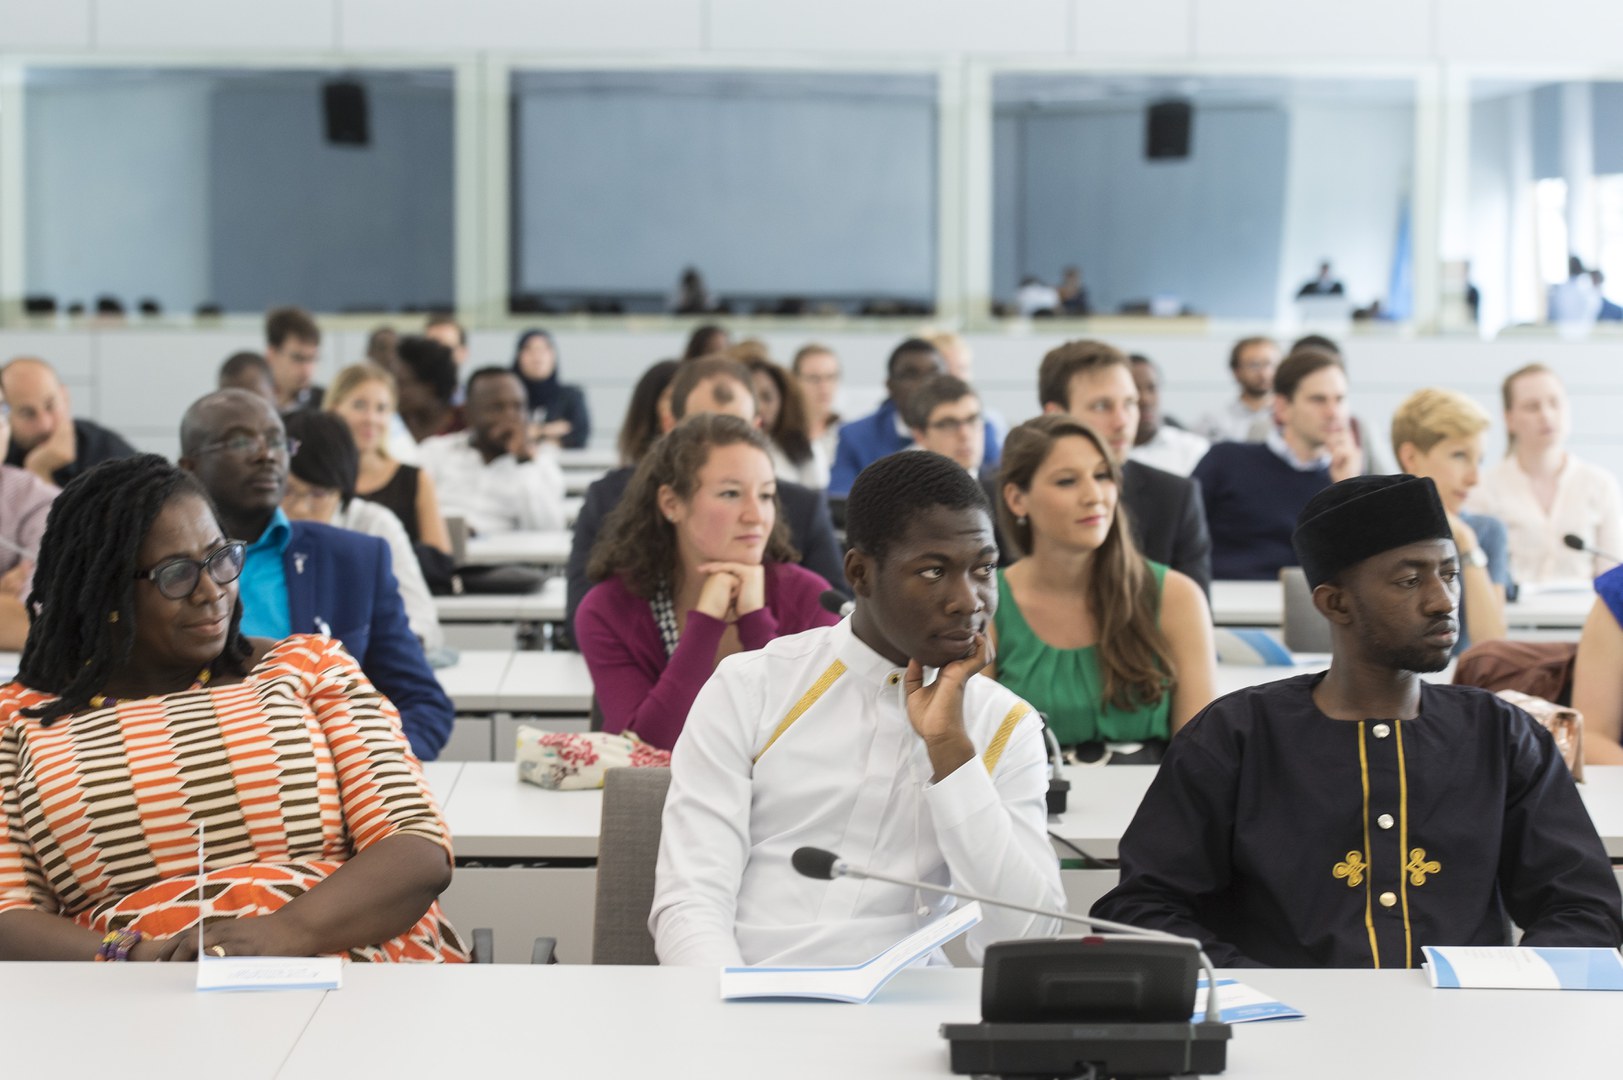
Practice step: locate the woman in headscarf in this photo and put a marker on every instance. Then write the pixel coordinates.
(557, 411)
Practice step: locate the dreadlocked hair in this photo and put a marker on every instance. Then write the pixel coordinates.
(85, 574)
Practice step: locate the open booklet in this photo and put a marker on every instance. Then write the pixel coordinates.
(1484, 967)
(854, 984)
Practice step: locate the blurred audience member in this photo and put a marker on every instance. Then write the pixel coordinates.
(1093, 381)
(691, 297)
(1438, 434)
(46, 438)
(782, 415)
(648, 415)
(321, 487)
(363, 396)
(557, 409)
(292, 349)
(1254, 492)
(247, 370)
(25, 502)
(867, 439)
(1036, 298)
(1073, 295)
(1249, 417)
(706, 340)
(489, 475)
(425, 384)
(1161, 441)
(818, 371)
(945, 417)
(1543, 493)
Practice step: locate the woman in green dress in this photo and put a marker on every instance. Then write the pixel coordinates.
(1114, 650)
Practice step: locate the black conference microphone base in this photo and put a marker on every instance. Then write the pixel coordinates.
(1092, 1051)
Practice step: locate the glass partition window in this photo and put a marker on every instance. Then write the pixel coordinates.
(239, 190)
(1546, 201)
(723, 191)
(1212, 196)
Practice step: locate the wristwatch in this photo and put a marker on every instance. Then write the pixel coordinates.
(1474, 557)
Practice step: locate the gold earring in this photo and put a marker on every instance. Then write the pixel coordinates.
(112, 617)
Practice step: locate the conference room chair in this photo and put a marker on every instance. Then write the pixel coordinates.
(627, 849)
(1304, 629)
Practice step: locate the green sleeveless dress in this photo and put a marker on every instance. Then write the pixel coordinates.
(1066, 685)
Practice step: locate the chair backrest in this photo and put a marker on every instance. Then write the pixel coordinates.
(1304, 629)
(627, 849)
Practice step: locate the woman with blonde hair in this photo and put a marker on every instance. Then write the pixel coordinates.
(364, 396)
(1543, 493)
(1438, 434)
(1116, 651)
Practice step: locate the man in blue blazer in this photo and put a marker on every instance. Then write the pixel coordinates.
(303, 578)
(883, 432)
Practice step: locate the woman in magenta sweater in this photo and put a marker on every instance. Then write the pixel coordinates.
(693, 565)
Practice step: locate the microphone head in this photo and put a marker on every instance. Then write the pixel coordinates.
(814, 863)
(1574, 541)
(833, 600)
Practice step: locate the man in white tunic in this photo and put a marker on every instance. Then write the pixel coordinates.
(877, 739)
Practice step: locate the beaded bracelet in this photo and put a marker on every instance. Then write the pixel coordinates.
(117, 945)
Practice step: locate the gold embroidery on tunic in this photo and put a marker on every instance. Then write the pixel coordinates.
(1352, 869)
(1419, 866)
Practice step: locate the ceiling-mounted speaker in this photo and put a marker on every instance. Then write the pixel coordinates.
(1166, 130)
(343, 103)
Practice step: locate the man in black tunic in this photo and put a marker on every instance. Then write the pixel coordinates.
(1348, 818)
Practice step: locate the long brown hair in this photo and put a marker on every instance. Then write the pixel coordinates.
(636, 542)
(789, 429)
(1135, 657)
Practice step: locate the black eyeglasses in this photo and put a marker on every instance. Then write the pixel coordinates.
(177, 578)
(243, 443)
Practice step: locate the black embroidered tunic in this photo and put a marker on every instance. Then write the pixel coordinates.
(1282, 837)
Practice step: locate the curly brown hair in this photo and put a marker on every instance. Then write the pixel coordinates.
(636, 542)
(1135, 657)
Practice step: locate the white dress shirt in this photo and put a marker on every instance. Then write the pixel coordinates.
(374, 520)
(1238, 422)
(848, 774)
(504, 495)
(1172, 450)
(1586, 503)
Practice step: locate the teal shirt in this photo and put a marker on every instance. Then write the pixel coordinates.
(263, 585)
(1066, 685)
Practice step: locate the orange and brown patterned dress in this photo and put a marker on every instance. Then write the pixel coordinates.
(288, 773)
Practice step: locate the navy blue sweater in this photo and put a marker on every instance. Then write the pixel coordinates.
(1252, 500)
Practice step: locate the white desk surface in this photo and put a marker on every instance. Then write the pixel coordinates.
(474, 682)
(556, 682)
(1261, 603)
(529, 548)
(442, 777)
(544, 605)
(492, 814)
(1359, 1023)
(576, 481)
(143, 1021)
(572, 505)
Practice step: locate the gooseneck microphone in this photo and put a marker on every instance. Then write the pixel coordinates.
(833, 600)
(1576, 543)
(826, 866)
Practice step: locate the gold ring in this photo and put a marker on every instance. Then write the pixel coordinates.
(217, 950)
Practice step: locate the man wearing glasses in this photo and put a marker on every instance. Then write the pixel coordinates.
(945, 417)
(300, 577)
(25, 500)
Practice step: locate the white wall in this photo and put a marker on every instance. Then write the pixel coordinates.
(1350, 172)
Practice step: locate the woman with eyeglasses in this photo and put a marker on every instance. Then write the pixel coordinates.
(143, 728)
